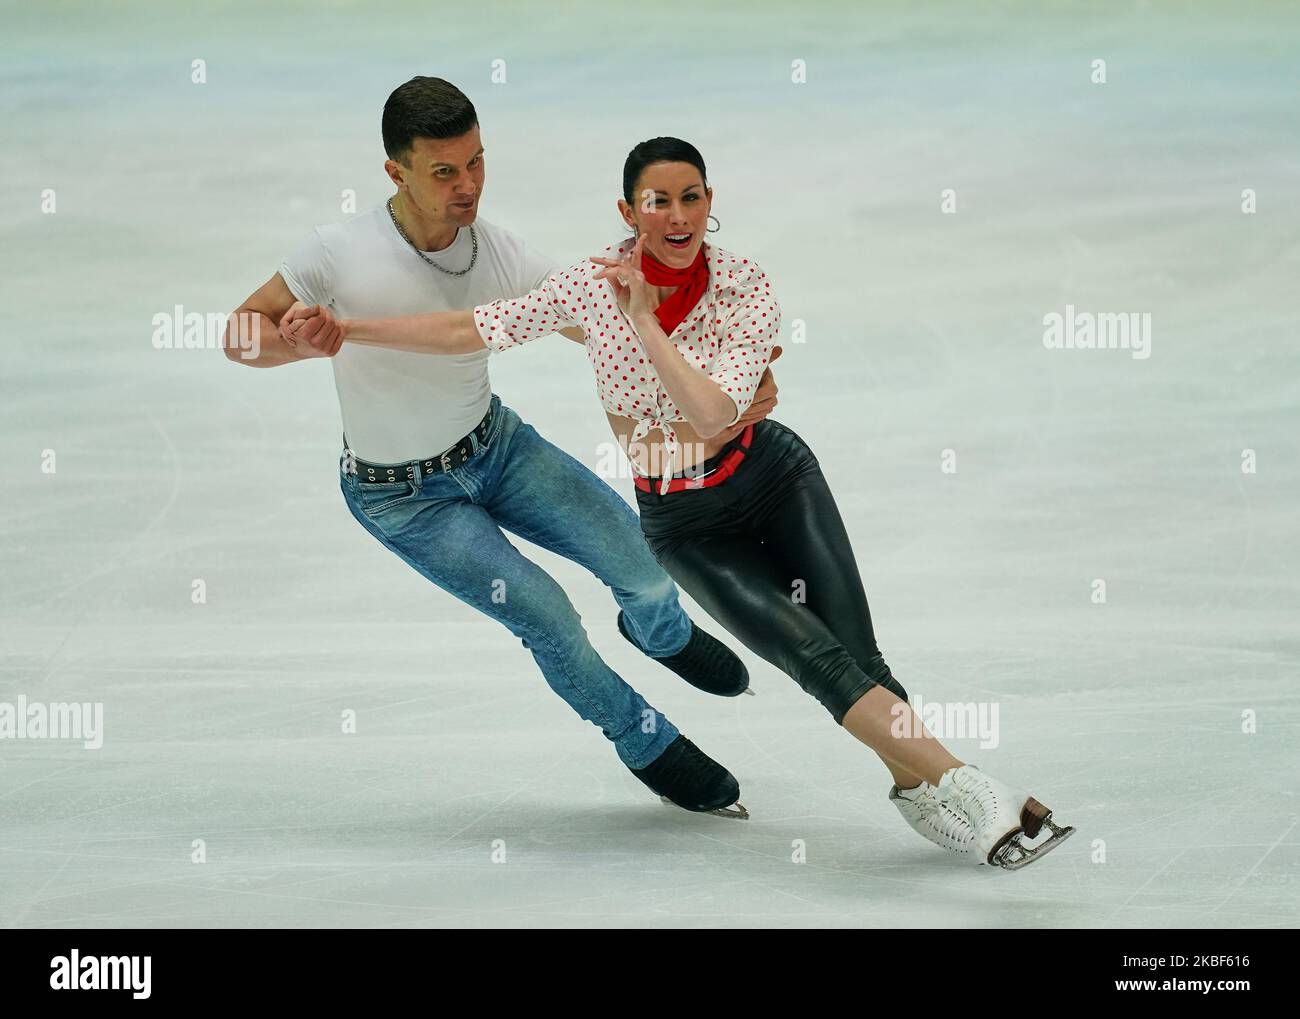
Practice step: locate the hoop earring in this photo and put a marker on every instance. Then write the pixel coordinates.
(714, 229)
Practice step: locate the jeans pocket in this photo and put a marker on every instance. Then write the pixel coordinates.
(375, 497)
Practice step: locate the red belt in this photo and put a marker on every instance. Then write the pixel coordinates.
(724, 470)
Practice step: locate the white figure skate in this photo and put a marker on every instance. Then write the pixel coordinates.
(936, 821)
(1002, 817)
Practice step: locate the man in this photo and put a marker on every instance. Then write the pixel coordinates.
(435, 465)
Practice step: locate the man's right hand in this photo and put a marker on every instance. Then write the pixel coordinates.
(311, 330)
(763, 404)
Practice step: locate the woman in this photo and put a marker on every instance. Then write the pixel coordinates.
(678, 333)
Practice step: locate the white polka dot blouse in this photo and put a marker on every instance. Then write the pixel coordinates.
(728, 335)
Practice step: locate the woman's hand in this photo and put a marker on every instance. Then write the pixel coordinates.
(635, 296)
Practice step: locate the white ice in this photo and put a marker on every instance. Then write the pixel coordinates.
(1157, 723)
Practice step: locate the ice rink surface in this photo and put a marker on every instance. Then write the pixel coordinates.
(1156, 722)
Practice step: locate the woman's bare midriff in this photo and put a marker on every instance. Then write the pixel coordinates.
(648, 455)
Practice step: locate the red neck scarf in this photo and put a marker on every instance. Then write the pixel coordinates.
(690, 282)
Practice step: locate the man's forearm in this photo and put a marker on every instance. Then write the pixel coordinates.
(253, 338)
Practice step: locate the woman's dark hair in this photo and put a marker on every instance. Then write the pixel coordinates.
(424, 108)
(659, 150)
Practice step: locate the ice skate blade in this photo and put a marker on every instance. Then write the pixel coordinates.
(736, 810)
(1013, 855)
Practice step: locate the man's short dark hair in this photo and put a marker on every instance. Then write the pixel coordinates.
(424, 108)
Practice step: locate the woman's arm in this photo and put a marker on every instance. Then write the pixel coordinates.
(701, 400)
(498, 325)
(439, 332)
(712, 402)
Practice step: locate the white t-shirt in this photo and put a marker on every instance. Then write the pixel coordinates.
(397, 405)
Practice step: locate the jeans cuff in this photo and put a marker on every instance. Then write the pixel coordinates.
(637, 749)
(690, 629)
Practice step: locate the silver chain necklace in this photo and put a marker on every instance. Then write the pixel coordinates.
(473, 236)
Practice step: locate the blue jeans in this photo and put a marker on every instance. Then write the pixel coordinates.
(448, 527)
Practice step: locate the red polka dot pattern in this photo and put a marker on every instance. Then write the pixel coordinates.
(728, 335)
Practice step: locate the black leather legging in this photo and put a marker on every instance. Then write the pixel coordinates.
(765, 553)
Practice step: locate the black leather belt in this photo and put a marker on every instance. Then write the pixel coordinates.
(448, 460)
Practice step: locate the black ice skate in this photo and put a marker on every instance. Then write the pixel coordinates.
(686, 776)
(705, 662)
